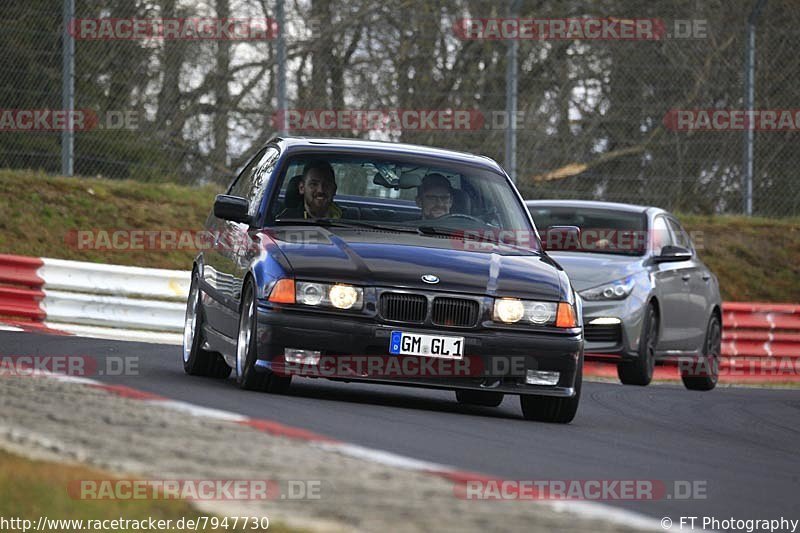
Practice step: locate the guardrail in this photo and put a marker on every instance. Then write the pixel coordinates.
(75, 297)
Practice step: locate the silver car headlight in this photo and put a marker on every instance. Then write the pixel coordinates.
(336, 295)
(616, 290)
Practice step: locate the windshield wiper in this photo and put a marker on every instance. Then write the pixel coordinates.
(307, 221)
(339, 223)
(369, 225)
(477, 235)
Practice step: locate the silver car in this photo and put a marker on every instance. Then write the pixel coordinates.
(646, 294)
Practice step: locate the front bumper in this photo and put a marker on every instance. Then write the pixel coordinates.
(500, 358)
(620, 342)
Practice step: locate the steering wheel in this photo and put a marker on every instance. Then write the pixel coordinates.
(461, 216)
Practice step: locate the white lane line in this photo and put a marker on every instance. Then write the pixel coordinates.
(72, 379)
(99, 332)
(381, 457)
(4, 327)
(199, 410)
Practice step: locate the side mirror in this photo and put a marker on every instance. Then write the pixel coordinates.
(562, 238)
(671, 253)
(231, 208)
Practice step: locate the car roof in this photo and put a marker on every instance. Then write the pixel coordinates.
(363, 145)
(630, 208)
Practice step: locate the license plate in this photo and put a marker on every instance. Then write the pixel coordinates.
(402, 343)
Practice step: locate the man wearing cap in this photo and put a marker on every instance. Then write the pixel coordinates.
(435, 196)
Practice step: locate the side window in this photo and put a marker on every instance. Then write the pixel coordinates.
(260, 179)
(660, 235)
(242, 185)
(679, 234)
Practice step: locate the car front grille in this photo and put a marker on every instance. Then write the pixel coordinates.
(400, 307)
(603, 333)
(454, 312)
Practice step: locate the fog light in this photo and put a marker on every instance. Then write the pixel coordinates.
(541, 377)
(605, 321)
(301, 357)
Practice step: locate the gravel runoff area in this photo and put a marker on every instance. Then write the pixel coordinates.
(49, 419)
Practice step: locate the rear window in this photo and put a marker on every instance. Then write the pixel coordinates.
(602, 230)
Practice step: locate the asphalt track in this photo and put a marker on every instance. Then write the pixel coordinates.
(742, 445)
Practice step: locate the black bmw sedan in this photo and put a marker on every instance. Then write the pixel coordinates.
(387, 263)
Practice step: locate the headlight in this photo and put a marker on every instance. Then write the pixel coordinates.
(337, 295)
(617, 290)
(512, 311)
(343, 296)
(508, 311)
(310, 293)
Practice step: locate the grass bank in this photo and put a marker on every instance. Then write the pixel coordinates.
(756, 259)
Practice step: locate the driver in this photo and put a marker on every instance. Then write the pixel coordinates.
(435, 196)
(317, 189)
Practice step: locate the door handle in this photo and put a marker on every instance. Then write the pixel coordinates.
(706, 276)
(686, 277)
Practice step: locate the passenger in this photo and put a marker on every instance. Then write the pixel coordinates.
(435, 196)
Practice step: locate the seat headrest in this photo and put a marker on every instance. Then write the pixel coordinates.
(293, 197)
(461, 202)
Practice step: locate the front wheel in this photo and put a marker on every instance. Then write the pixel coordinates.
(705, 374)
(640, 371)
(553, 410)
(247, 376)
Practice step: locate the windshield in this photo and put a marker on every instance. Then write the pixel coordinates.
(403, 196)
(601, 230)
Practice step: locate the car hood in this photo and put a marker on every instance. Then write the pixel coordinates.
(400, 260)
(587, 270)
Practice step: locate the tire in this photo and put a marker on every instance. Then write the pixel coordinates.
(484, 398)
(553, 410)
(640, 371)
(704, 376)
(247, 377)
(196, 360)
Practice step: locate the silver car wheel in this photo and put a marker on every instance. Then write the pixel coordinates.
(243, 340)
(190, 323)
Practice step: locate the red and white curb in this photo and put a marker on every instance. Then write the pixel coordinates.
(92, 299)
(583, 509)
